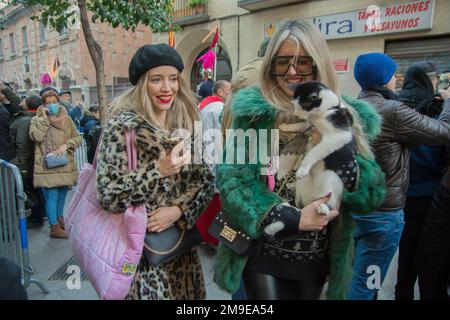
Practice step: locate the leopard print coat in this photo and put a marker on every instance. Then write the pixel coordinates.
(117, 189)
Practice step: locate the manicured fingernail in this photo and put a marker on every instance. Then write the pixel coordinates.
(328, 194)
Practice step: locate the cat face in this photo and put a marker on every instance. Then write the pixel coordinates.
(308, 95)
(314, 95)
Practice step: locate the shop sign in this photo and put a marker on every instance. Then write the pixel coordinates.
(374, 20)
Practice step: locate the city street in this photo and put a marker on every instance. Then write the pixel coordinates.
(348, 99)
(47, 255)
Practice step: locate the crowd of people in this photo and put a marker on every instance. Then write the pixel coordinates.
(400, 200)
(34, 126)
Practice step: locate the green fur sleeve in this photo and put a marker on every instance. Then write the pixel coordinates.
(371, 188)
(244, 194)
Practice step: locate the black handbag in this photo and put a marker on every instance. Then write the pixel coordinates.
(237, 240)
(169, 244)
(233, 238)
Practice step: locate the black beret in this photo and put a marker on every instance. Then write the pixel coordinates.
(150, 56)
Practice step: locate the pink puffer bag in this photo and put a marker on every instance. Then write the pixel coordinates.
(108, 246)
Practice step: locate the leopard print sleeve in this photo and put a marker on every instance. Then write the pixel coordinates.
(196, 190)
(117, 188)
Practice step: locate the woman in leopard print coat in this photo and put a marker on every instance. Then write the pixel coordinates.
(171, 189)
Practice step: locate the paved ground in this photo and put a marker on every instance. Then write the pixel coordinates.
(46, 255)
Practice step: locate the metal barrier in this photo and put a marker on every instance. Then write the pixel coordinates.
(13, 229)
(80, 154)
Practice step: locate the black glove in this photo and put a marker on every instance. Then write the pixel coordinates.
(283, 217)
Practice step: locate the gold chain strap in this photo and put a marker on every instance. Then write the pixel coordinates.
(167, 251)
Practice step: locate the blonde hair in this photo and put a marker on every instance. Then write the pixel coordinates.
(313, 42)
(181, 115)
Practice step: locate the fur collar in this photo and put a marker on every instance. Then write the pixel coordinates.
(147, 135)
(250, 105)
(130, 119)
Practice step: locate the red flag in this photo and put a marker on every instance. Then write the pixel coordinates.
(215, 39)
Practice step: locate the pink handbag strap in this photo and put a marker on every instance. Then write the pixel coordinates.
(270, 178)
(131, 149)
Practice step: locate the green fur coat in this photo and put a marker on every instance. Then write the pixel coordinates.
(244, 193)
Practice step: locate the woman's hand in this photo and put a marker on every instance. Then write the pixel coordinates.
(45, 113)
(170, 164)
(311, 220)
(61, 150)
(162, 218)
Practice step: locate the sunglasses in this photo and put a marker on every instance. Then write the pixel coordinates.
(303, 65)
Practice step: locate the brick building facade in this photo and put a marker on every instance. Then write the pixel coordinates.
(28, 49)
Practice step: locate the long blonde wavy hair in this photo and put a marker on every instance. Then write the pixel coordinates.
(313, 42)
(181, 115)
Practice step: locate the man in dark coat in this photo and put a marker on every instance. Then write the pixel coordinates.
(426, 170)
(434, 252)
(206, 87)
(9, 105)
(24, 147)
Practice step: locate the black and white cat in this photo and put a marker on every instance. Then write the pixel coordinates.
(330, 165)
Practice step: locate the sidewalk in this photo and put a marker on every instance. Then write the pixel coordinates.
(47, 255)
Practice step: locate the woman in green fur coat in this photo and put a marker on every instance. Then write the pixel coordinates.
(313, 247)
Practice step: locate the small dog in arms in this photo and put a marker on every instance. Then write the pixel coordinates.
(330, 166)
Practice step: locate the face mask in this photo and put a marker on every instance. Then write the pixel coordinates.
(53, 109)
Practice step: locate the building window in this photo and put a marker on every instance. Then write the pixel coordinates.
(42, 38)
(12, 45)
(64, 33)
(28, 84)
(121, 80)
(25, 37)
(407, 51)
(1, 49)
(26, 64)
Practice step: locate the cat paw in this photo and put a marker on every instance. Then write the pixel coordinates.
(274, 228)
(302, 172)
(323, 209)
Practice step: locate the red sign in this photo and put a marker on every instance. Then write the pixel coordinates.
(341, 65)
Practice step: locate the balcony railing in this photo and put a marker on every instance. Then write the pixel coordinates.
(184, 15)
(253, 5)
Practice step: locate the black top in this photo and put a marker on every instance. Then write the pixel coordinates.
(300, 256)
